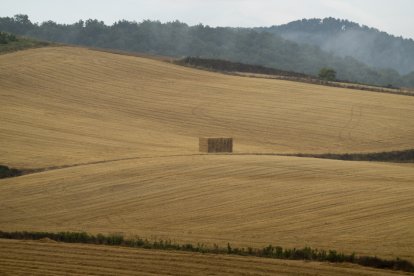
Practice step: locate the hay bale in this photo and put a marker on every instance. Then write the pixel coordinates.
(210, 145)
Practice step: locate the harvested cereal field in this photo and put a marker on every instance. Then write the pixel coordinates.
(118, 137)
(244, 200)
(71, 105)
(33, 258)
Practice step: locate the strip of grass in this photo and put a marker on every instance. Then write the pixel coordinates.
(229, 66)
(404, 156)
(270, 251)
(9, 172)
(224, 66)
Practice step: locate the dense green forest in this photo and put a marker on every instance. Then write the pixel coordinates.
(177, 39)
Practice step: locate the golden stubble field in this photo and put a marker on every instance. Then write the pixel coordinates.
(244, 200)
(33, 258)
(71, 105)
(129, 128)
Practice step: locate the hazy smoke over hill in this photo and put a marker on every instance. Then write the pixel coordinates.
(343, 38)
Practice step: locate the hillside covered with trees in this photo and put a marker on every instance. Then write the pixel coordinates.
(344, 38)
(177, 39)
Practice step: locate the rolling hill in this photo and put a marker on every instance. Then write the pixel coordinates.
(117, 136)
(22, 257)
(344, 38)
(346, 52)
(244, 200)
(68, 105)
